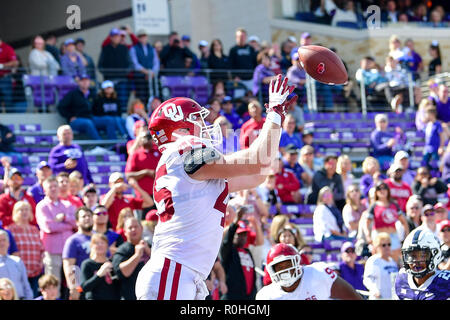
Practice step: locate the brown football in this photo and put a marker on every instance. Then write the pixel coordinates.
(322, 64)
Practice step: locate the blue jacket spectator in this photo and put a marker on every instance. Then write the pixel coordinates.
(90, 66)
(262, 76)
(229, 113)
(72, 63)
(288, 134)
(382, 141)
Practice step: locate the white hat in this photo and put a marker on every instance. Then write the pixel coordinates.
(253, 38)
(203, 43)
(115, 176)
(107, 84)
(292, 39)
(401, 155)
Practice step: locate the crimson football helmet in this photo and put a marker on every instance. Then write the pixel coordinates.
(284, 252)
(182, 113)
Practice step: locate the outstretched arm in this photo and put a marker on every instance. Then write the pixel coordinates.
(342, 290)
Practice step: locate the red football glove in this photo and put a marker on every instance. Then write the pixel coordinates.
(278, 93)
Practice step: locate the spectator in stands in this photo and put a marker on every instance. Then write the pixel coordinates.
(43, 171)
(444, 237)
(286, 58)
(374, 82)
(268, 192)
(307, 162)
(114, 63)
(140, 131)
(106, 106)
(250, 129)
(378, 269)
(76, 249)
(130, 258)
(214, 107)
(146, 63)
(290, 161)
(75, 107)
(443, 104)
(115, 199)
(101, 222)
(13, 268)
(238, 261)
(7, 139)
(413, 212)
(435, 138)
(14, 193)
(31, 249)
(441, 212)
(262, 75)
(80, 44)
(56, 221)
(141, 166)
(420, 114)
(428, 187)
(50, 46)
(173, 54)
(400, 191)
(353, 210)
(8, 61)
(346, 14)
(48, 286)
(125, 213)
(8, 290)
(204, 53)
(390, 14)
(435, 65)
(288, 134)
(229, 112)
(350, 270)
(411, 59)
(384, 214)
(242, 56)
(402, 157)
(123, 31)
(398, 83)
(230, 137)
(253, 202)
(96, 272)
(67, 156)
(382, 141)
(287, 185)
(328, 176)
(419, 13)
(153, 103)
(218, 60)
(136, 111)
(344, 168)
(76, 184)
(428, 219)
(72, 62)
(89, 196)
(64, 194)
(41, 61)
(436, 19)
(328, 223)
(297, 75)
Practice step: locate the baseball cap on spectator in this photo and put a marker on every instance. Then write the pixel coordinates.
(307, 132)
(138, 124)
(401, 155)
(141, 32)
(443, 224)
(242, 227)
(347, 245)
(426, 208)
(90, 188)
(395, 166)
(84, 76)
(294, 55)
(305, 35)
(152, 215)
(254, 38)
(290, 148)
(292, 39)
(203, 43)
(116, 176)
(107, 84)
(186, 38)
(439, 205)
(42, 164)
(227, 99)
(78, 40)
(115, 32)
(69, 41)
(14, 171)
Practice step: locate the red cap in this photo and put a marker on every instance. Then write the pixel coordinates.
(242, 227)
(439, 205)
(152, 215)
(443, 224)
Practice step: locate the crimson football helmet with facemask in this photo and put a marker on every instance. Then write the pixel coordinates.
(284, 252)
(182, 115)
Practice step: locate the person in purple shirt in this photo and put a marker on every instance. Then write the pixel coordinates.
(12, 249)
(443, 104)
(349, 269)
(262, 75)
(229, 113)
(446, 165)
(68, 157)
(297, 75)
(411, 59)
(382, 142)
(72, 62)
(288, 134)
(43, 171)
(434, 137)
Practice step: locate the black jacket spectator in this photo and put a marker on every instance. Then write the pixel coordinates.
(321, 180)
(429, 193)
(95, 287)
(243, 57)
(75, 104)
(7, 138)
(231, 262)
(173, 57)
(104, 106)
(114, 57)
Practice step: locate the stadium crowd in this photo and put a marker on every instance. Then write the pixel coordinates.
(62, 239)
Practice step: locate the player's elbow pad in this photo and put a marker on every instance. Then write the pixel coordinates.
(197, 158)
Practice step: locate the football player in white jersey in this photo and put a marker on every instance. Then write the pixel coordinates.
(292, 281)
(192, 183)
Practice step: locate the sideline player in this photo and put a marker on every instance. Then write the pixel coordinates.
(292, 281)
(420, 279)
(191, 188)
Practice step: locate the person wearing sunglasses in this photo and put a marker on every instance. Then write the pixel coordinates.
(349, 269)
(380, 269)
(428, 218)
(413, 211)
(101, 220)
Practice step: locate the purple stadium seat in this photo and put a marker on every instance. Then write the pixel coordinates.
(63, 84)
(114, 157)
(178, 86)
(11, 127)
(90, 158)
(316, 245)
(307, 232)
(37, 83)
(331, 245)
(302, 221)
(100, 179)
(30, 127)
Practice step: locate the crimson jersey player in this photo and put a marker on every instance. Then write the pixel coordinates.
(191, 188)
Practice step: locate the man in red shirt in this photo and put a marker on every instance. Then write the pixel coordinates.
(12, 195)
(115, 199)
(250, 129)
(8, 60)
(141, 165)
(64, 194)
(287, 185)
(400, 190)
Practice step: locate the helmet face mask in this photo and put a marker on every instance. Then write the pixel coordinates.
(419, 261)
(283, 265)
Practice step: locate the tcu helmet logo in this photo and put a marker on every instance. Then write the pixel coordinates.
(320, 68)
(173, 112)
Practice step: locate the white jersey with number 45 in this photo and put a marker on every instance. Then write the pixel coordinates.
(315, 284)
(191, 212)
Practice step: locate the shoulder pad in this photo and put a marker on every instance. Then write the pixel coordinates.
(196, 158)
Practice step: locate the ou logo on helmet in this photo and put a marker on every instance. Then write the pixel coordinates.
(173, 112)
